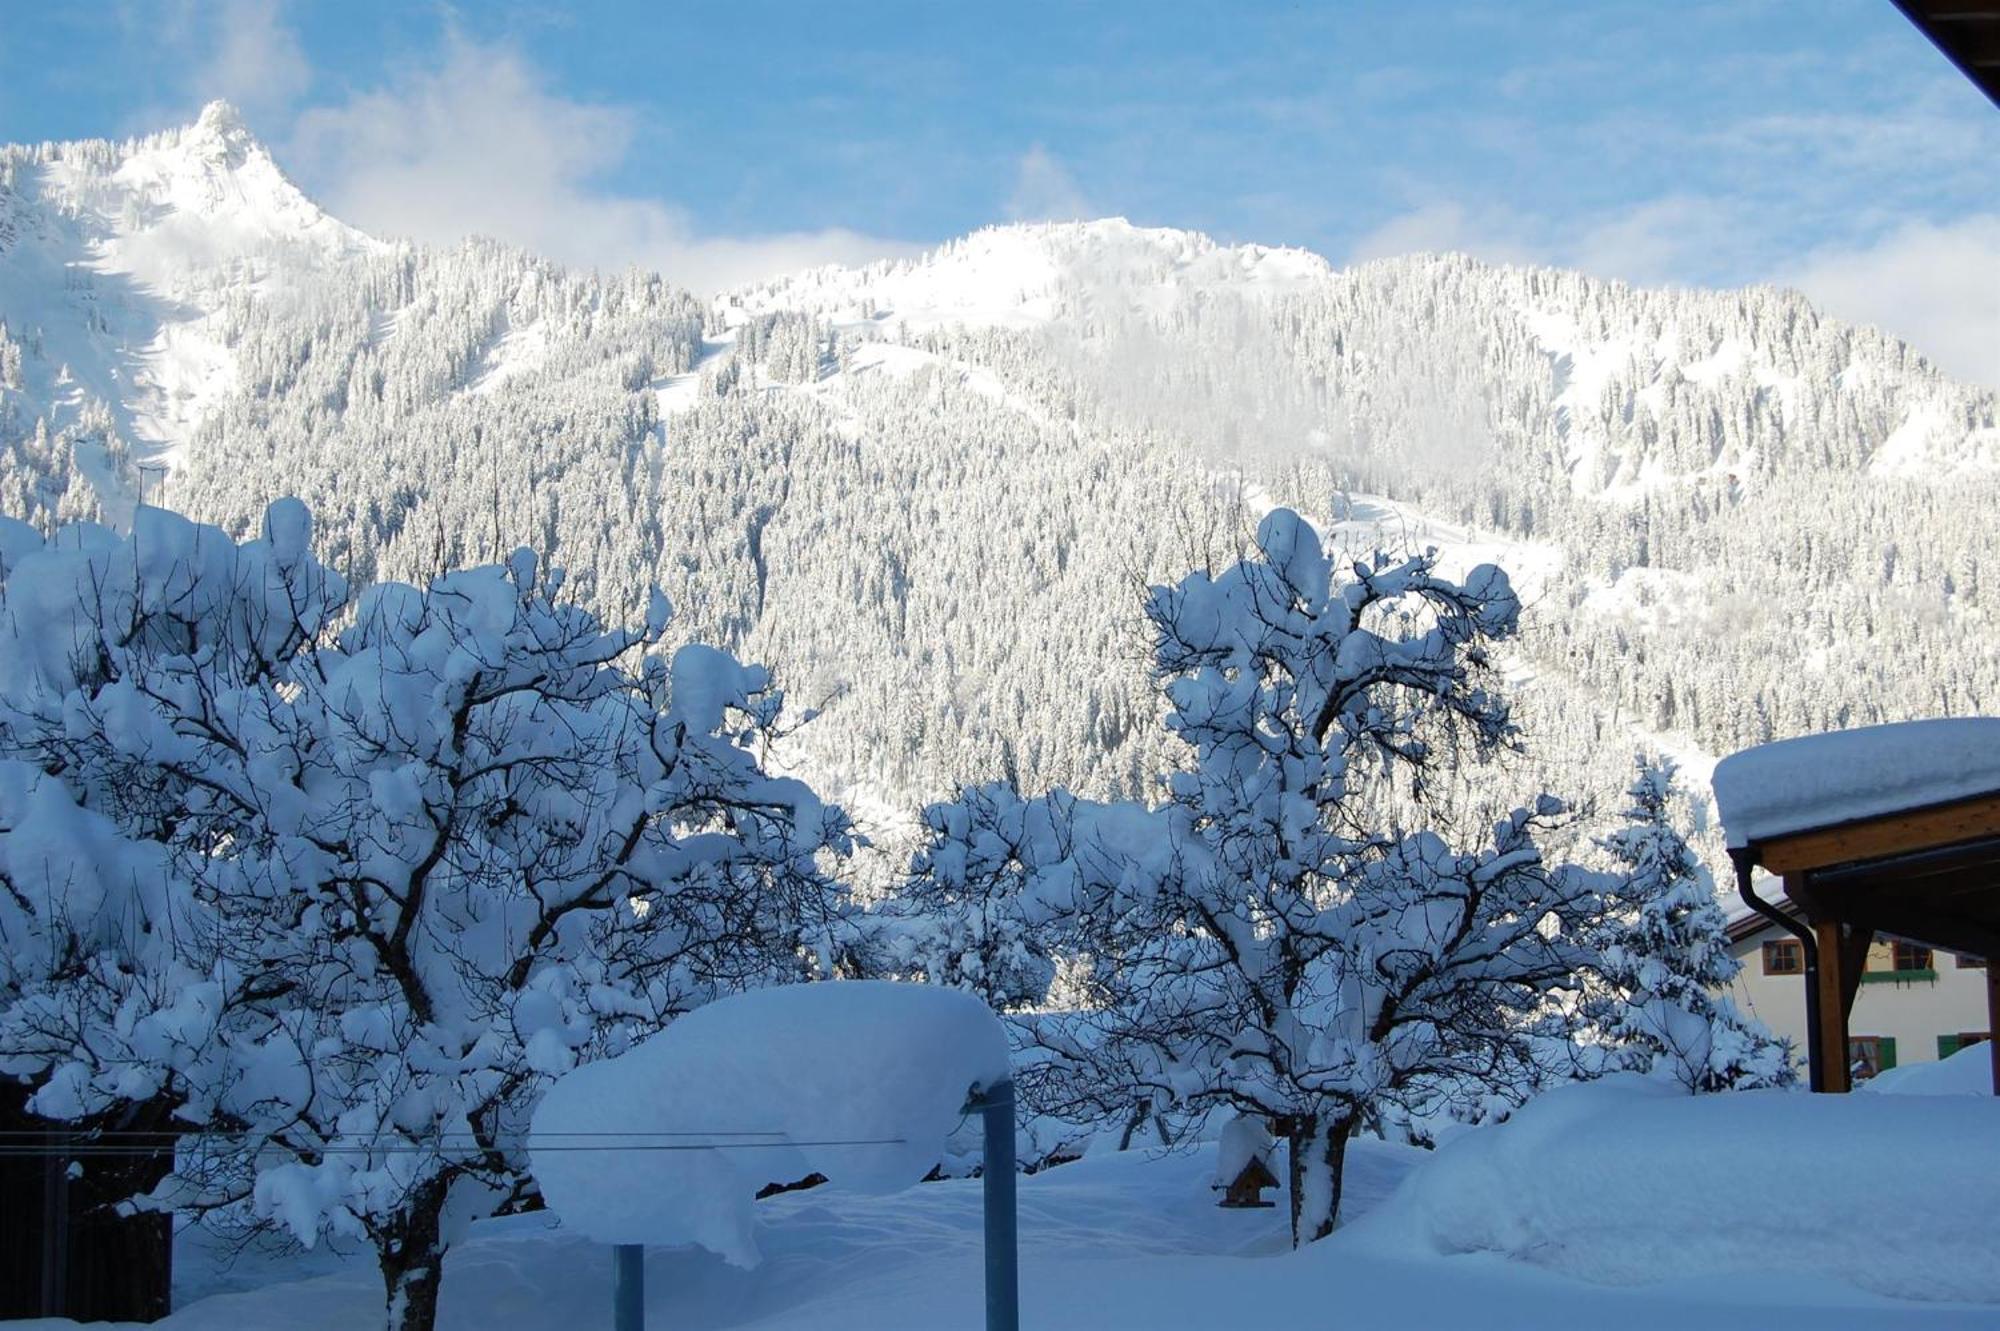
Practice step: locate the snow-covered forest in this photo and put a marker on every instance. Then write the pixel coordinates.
(434, 669)
(929, 492)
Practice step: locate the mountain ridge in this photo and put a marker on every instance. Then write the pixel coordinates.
(925, 489)
(1021, 274)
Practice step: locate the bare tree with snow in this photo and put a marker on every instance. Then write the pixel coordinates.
(1253, 944)
(466, 841)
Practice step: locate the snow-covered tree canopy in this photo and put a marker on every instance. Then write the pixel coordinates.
(1251, 943)
(966, 916)
(349, 882)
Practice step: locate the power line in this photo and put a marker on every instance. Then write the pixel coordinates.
(209, 1134)
(86, 1149)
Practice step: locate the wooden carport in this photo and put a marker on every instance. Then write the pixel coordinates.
(1965, 32)
(1889, 861)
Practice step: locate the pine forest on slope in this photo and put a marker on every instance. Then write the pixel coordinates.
(929, 492)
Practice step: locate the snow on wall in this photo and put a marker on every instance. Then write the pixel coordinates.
(1844, 775)
(759, 1083)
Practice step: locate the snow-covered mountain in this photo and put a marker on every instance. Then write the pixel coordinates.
(116, 261)
(926, 491)
(1022, 276)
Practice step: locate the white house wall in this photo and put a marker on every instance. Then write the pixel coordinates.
(1913, 1012)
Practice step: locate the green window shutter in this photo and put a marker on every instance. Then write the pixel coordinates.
(1887, 1045)
(1947, 1045)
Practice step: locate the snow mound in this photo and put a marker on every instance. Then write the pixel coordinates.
(751, 1090)
(1629, 1181)
(1844, 775)
(1967, 1072)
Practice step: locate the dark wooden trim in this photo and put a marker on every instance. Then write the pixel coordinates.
(1937, 930)
(1993, 1020)
(1935, 826)
(1833, 1006)
(1853, 964)
(1964, 32)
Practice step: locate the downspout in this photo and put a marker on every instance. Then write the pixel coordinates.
(1742, 857)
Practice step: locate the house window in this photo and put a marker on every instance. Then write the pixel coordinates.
(1868, 1055)
(1951, 1044)
(1908, 963)
(1966, 963)
(1784, 956)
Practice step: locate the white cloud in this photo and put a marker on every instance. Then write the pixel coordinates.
(479, 145)
(1044, 191)
(257, 62)
(1446, 227)
(1658, 242)
(1936, 287)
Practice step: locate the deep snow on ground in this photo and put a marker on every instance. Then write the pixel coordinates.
(1967, 1072)
(1626, 1179)
(1123, 1241)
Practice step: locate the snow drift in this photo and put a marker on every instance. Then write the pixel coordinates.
(1967, 1072)
(1629, 1181)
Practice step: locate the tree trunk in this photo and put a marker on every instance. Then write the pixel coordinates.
(411, 1251)
(1317, 1153)
(1133, 1123)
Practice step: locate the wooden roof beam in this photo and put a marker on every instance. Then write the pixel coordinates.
(1881, 838)
(1959, 11)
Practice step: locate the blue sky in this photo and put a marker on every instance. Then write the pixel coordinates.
(1820, 143)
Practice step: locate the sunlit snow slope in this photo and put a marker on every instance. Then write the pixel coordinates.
(927, 491)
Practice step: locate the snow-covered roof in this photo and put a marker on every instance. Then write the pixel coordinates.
(1847, 775)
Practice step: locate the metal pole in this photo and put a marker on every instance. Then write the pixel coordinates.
(55, 1227)
(628, 1287)
(1003, 1285)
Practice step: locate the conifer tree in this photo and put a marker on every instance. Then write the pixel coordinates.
(1666, 958)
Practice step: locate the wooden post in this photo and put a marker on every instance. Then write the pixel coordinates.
(1854, 964)
(55, 1226)
(1833, 963)
(1993, 1016)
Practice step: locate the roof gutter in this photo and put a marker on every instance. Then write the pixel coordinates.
(1744, 857)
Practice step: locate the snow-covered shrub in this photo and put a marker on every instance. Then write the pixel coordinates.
(460, 844)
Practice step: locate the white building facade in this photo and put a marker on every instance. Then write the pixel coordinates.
(1914, 1004)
